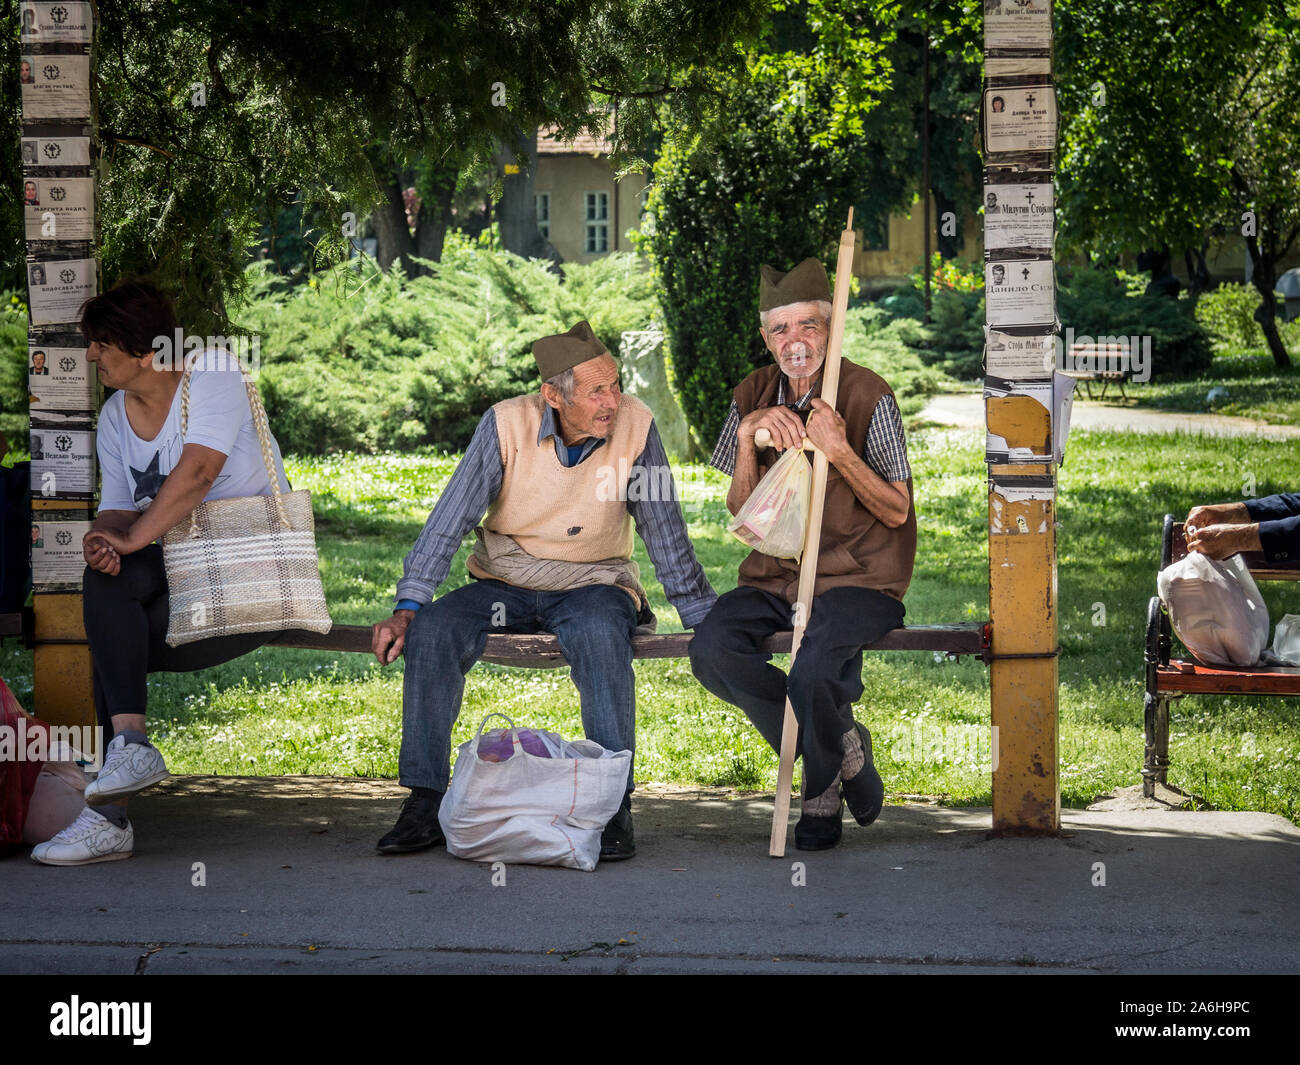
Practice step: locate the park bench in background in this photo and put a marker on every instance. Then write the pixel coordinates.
(543, 651)
(1099, 356)
(1168, 679)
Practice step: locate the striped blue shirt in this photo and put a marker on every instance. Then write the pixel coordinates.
(477, 481)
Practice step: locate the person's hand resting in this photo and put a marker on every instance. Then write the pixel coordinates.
(389, 636)
(1222, 541)
(100, 554)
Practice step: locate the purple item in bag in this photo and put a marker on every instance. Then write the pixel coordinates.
(496, 745)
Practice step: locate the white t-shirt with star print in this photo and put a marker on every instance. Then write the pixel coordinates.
(132, 470)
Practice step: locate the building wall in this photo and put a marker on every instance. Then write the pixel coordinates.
(906, 249)
(568, 178)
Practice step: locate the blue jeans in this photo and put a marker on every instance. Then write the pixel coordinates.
(594, 626)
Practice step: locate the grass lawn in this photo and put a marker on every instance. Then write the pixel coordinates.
(1256, 389)
(286, 711)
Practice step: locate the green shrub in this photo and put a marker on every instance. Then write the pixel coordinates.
(361, 360)
(1098, 303)
(1228, 313)
(13, 369)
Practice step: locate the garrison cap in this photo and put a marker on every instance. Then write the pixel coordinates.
(563, 351)
(805, 283)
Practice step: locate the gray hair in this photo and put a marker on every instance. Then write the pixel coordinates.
(823, 308)
(563, 383)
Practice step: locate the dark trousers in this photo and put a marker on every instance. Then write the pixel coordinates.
(728, 659)
(126, 625)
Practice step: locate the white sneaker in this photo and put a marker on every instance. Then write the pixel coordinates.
(128, 768)
(92, 837)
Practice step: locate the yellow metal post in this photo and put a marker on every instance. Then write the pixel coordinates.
(1023, 683)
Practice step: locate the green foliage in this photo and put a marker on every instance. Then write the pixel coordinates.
(1228, 312)
(1096, 303)
(13, 369)
(361, 360)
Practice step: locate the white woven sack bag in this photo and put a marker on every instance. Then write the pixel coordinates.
(246, 564)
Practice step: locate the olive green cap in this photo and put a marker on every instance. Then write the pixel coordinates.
(563, 351)
(805, 283)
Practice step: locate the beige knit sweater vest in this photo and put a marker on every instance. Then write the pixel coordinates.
(576, 513)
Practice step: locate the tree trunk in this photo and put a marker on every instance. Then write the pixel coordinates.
(943, 204)
(1264, 277)
(391, 231)
(434, 217)
(517, 211)
(1198, 271)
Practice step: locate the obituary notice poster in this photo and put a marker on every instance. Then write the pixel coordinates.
(55, 86)
(1020, 118)
(41, 152)
(57, 561)
(1020, 292)
(58, 23)
(57, 288)
(60, 379)
(59, 208)
(1019, 215)
(1018, 24)
(1017, 358)
(63, 463)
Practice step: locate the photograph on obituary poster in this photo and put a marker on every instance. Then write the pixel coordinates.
(1020, 292)
(59, 379)
(51, 152)
(63, 208)
(57, 561)
(63, 462)
(64, 22)
(1020, 214)
(1016, 357)
(57, 288)
(55, 86)
(1020, 118)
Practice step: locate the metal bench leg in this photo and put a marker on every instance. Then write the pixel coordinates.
(1156, 769)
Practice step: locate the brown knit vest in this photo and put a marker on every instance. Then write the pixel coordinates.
(573, 513)
(856, 549)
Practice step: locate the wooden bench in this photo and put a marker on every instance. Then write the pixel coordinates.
(543, 651)
(1168, 679)
(1097, 355)
(20, 623)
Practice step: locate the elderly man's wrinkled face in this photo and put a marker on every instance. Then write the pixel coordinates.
(797, 336)
(594, 403)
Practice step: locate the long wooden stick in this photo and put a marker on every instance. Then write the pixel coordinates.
(812, 541)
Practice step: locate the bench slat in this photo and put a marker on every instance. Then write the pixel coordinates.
(542, 651)
(1194, 678)
(11, 625)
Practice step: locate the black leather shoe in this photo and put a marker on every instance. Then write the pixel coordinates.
(417, 825)
(865, 793)
(617, 841)
(818, 833)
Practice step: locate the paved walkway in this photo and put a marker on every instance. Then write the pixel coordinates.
(966, 410)
(293, 885)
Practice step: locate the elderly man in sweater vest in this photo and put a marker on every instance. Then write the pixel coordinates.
(868, 545)
(562, 476)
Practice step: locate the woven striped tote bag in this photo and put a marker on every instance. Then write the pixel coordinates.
(246, 564)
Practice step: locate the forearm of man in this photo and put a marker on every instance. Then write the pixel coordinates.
(745, 477)
(183, 490)
(886, 500)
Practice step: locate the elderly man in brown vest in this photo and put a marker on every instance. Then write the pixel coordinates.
(868, 545)
(562, 476)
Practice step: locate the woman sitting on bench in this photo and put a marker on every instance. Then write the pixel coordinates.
(152, 479)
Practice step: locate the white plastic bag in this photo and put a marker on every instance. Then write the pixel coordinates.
(774, 519)
(1216, 609)
(1286, 640)
(530, 809)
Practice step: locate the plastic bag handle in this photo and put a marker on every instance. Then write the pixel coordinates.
(514, 731)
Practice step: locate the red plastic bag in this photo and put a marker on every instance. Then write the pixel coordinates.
(17, 772)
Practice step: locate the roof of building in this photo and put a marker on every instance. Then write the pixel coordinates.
(548, 143)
